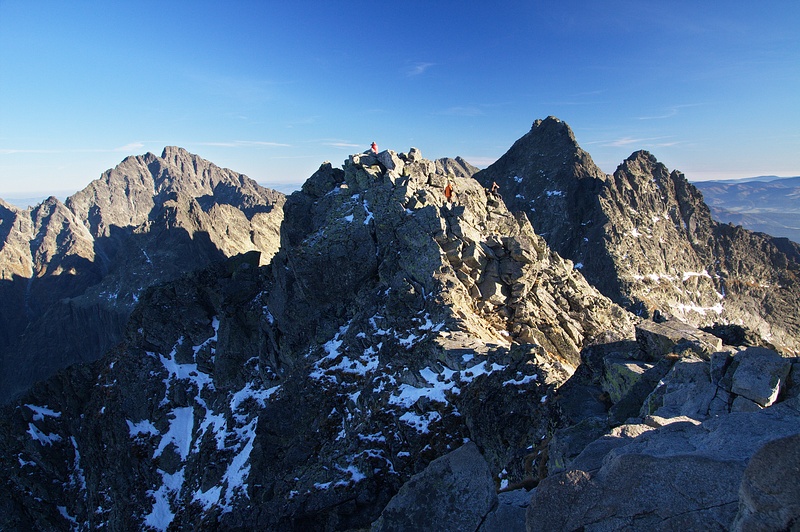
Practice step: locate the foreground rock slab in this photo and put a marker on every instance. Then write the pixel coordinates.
(455, 492)
(681, 476)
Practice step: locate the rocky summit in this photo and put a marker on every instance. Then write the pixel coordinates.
(72, 272)
(414, 356)
(644, 237)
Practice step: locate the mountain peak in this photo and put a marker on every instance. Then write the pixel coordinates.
(551, 123)
(149, 219)
(633, 231)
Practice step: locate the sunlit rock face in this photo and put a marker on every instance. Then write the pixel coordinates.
(72, 272)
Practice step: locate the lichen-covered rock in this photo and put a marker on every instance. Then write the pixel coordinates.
(620, 376)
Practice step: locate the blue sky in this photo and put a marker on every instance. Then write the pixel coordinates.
(273, 89)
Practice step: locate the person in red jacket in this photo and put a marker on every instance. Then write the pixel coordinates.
(374, 148)
(448, 192)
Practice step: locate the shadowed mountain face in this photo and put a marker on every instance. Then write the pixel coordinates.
(72, 272)
(771, 207)
(644, 237)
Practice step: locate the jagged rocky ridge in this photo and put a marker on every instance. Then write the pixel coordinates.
(644, 237)
(390, 328)
(336, 387)
(72, 272)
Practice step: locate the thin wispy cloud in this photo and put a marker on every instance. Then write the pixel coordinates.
(648, 142)
(245, 144)
(126, 148)
(340, 144)
(130, 147)
(418, 69)
(479, 161)
(462, 111)
(625, 141)
(239, 88)
(670, 112)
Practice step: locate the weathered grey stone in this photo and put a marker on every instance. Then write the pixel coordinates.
(659, 339)
(519, 497)
(568, 443)
(414, 155)
(658, 421)
(455, 492)
(718, 365)
(794, 380)
(742, 404)
(493, 291)
(522, 250)
(680, 476)
(323, 180)
(391, 162)
(505, 518)
(685, 391)
(473, 256)
(769, 495)
(760, 375)
(591, 458)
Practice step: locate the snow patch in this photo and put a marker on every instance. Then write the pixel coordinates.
(718, 308)
(41, 437)
(524, 380)
(63, 511)
(180, 432)
(689, 275)
(369, 214)
(161, 515)
(142, 427)
(420, 422)
(39, 412)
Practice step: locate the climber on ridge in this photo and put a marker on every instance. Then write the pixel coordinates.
(374, 148)
(448, 192)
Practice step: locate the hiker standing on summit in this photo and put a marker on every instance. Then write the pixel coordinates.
(374, 148)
